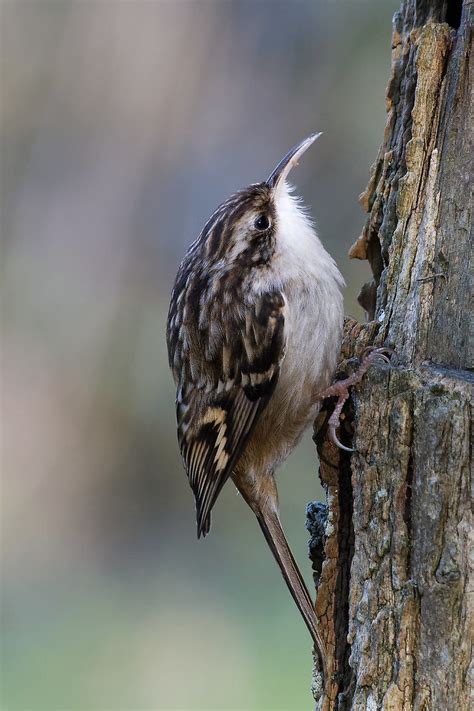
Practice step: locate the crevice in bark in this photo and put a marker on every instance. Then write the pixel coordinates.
(407, 513)
(316, 520)
(419, 12)
(345, 534)
(453, 13)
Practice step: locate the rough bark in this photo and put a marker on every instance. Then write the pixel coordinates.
(392, 594)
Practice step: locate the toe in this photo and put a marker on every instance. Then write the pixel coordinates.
(334, 439)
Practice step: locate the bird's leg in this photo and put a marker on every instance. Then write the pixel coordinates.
(341, 390)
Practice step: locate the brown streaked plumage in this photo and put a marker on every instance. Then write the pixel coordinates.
(253, 335)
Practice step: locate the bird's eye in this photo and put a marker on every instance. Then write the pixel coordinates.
(262, 222)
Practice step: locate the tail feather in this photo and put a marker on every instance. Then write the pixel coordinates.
(203, 526)
(273, 532)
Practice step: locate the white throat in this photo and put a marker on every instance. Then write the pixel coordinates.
(299, 252)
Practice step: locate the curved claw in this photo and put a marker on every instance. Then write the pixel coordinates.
(372, 351)
(379, 358)
(334, 440)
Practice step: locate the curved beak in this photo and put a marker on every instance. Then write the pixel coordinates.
(290, 160)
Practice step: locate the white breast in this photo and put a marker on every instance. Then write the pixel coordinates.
(312, 285)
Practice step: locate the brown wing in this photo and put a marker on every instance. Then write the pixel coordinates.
(220, 399)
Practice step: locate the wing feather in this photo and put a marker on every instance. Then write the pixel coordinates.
(219, 401)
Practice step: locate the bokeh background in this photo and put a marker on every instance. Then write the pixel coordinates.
(124, 124)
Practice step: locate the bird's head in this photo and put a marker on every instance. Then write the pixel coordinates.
(245, 228)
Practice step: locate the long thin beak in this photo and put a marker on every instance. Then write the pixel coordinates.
(290, 160)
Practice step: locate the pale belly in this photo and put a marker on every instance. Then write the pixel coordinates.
(313, 345)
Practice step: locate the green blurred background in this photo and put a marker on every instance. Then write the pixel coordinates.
(124, 124)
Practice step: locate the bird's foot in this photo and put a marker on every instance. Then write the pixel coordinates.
(340, 388)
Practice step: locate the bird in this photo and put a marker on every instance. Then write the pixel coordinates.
(254, 332)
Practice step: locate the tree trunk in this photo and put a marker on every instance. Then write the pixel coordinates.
(392, 592)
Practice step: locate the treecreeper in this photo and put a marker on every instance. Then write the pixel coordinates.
(254, 333)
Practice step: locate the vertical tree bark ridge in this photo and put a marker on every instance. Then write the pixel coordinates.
(392, 596)
(333, 584)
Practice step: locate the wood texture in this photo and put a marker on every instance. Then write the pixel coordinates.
(393, 591)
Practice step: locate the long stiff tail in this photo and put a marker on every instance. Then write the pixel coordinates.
(273, 532)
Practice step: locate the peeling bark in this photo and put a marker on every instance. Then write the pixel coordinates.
(392, 592)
